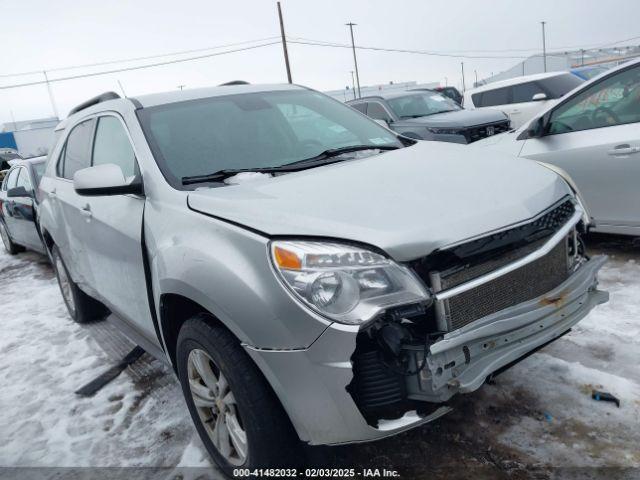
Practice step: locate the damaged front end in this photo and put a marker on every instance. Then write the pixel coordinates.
(495, 299)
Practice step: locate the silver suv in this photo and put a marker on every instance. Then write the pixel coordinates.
(309, 274)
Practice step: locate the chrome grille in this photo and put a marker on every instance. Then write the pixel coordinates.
(525, 283)
(476, 133)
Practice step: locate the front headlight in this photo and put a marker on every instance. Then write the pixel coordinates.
(344, 283)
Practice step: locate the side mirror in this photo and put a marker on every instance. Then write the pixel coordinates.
(382, 122)
(18, 192)
(538, 97)
(106, 179)
(534, 130)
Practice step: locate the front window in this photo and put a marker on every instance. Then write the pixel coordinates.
(421, 104)
(556, 87)
(612, 101)
(253, 131)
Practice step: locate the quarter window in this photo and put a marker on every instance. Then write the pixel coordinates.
(612, 101)
(361, 107)
(77, 153)
(112, 145)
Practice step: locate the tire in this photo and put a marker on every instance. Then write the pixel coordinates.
(271, 441)
(81, 307)
(9, 246)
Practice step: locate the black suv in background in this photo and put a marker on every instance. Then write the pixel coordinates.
(429, 115)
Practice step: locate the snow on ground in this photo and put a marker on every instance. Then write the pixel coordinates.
(538, 415)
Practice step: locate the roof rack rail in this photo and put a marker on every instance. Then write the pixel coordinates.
(234, 82)
(94, 101)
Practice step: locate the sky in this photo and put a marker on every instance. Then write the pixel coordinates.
(43, 35)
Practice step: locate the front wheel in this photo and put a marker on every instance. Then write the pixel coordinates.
(238, 417)
(9, 246)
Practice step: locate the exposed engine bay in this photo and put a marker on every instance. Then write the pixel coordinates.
(416, 357)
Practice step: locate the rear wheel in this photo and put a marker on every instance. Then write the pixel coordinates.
(237, 415)
(81, 307)
(9, 246)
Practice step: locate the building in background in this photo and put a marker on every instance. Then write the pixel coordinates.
(349, 94)
(558, 61)
(30, 138)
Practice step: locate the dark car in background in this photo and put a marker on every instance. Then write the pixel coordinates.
(451, 92)
(429, 115)
(18, 206)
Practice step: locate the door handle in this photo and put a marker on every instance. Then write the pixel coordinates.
(86, 211)
(622, 150)
(52, 193)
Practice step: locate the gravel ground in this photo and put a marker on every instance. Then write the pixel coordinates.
(537, 419)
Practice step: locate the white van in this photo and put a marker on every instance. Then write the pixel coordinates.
(522, 97)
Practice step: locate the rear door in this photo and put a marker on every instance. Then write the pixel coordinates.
(72, 213)
(7, 203)
(595, 136)
(114, 231)
(23, 228)
(523, 108)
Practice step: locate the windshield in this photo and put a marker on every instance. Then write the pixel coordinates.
(253, 131)
(422, 104)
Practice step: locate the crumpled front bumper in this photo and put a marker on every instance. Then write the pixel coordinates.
(311, 383)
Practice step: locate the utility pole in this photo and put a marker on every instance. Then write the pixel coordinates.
(180, 87)
(355, 60)
(582, 53)
(476, 74)
(446, 81)
(464, 87)
(284, 44)
(353, 85)
(53, 102)
(544, 46)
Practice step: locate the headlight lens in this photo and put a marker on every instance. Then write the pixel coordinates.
(345, 283)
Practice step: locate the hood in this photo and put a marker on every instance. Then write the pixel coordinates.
(458, 118)
(407, 202)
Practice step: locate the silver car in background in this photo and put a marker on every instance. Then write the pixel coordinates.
(593, 134)
(310, 275)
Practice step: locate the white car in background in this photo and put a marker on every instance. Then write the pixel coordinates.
(521, 98)
(593, 134)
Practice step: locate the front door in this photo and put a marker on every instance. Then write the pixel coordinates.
(114, 232)
(595, 137)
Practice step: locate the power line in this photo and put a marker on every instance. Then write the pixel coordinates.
(134, 59)
(401, 50)
(136, 67)
(458, 53)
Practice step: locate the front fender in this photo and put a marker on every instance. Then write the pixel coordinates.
(227, 270)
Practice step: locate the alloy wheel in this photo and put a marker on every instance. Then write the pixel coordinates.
(5, 237)
(217, 408)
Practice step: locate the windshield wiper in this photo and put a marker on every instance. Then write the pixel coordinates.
(324, 158)
(335, 152)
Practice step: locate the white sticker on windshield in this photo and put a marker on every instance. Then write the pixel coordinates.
(380, 141)
(437, 98)
(338, 128)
